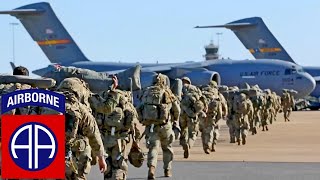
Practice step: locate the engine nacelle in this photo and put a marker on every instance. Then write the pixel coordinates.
(200, 78)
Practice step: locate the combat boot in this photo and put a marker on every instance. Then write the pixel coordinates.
(243, 141)
(186, 151)
(213, 146)
(151, 172)
(238, 141)
(232, 140)
(206, 150)
(267, 128)
(167, 173)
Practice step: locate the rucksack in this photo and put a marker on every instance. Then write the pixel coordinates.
(192, 104)
(156, 101)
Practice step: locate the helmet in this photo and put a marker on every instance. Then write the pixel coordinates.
(242, 96)
(186, 79)
(135, 155)
(213, 84)
(76, 86)
(268, 91)
(160, 79)
(223, 88)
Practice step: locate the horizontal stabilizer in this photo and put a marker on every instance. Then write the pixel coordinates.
(229, 25)
(23, 12)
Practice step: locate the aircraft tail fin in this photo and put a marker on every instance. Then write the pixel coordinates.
(12, 65)
(45, 28)
(257, 38)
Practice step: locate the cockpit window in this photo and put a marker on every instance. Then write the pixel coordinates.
(290, 71)
(300, 70)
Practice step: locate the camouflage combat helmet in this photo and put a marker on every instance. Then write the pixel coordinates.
(76, 86)
(186, 79)
(242, 97)
(160, 79)
(135, 156)
(223, 88)
(213, 84)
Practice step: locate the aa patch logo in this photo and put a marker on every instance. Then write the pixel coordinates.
(33, 145)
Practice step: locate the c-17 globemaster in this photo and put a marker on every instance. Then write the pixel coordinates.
(45, 28)
(261, 43)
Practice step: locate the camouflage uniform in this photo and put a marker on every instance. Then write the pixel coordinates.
(158, 104)
(231, 96)
(267, 110)
(82, 136)
(82, 133)
(116, 125)
(241, 107)
(257, 100)
(209, 125)
(287, 102)
(193, 105)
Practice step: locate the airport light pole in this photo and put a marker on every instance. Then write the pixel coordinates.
(13, 41)
(218, 37)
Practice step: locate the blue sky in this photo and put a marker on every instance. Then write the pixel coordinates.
(150, 31)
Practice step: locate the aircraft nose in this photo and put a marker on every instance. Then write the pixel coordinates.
(307, 85)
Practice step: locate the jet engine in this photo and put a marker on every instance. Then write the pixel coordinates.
(199, 78)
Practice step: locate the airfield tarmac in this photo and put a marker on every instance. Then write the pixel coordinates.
(289, 150)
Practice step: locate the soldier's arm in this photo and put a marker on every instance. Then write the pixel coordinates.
(90, 129)
(105, 106)
(175, 110)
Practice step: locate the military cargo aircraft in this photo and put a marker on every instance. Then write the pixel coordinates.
(45, 28)
(258, 39)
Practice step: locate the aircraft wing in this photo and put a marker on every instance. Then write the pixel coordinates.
(316, 78)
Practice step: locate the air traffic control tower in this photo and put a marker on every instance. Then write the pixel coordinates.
(211, 51)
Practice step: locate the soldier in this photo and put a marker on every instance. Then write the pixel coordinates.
(257, 100)
(157, 104)
(275, 106)
(193, 105)
(231, 96)
(287, 102)
(267, 110)
(241, 107)
(116, 126)
(82, 133)
(209, 125)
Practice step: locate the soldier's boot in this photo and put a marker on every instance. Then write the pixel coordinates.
(262, 128)
(186, 151)
(267, 128)
(206, 150)
(152, 172)
(244, 141)
(213, 149)
(232, 140)
(167, 173)
(255, 130)
(238, 141)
